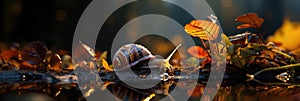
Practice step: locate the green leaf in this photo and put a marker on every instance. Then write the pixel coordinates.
(238, 61)
(232, 49)
(193, 61)
(246, 52)
(226, 39)
(103, 56)
(257, 47)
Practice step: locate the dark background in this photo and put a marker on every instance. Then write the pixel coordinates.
(54, 21)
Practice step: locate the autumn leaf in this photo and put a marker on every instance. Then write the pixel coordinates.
(243, 26)
(55, 62)
(198, 52)
(105, 65)
(203, 29)
(250, 20)
(8, 54)
(226, 39)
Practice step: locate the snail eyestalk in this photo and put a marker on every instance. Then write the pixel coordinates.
(167, 60)
(88, 49)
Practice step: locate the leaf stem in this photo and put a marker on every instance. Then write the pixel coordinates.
(203, 43)
(279, 68)
(259, 35)
(284, 54)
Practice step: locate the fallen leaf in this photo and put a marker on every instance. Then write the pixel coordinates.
(105, 65)
(55, 62)
(203, 29)
(8, 54)
(34, 52)
(238, 61)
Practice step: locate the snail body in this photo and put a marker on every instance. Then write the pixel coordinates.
(139, 59)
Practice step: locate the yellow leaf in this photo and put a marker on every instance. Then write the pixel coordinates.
(149, 97)
(105, 65)
(203, 29)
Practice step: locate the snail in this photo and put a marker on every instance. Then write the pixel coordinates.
(139, 59)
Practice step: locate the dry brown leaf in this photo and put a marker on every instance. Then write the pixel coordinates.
(250, 20)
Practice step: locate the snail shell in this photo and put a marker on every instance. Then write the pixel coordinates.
(130, 55)
(139, 58)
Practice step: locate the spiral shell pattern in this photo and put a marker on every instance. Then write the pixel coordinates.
(130, 55)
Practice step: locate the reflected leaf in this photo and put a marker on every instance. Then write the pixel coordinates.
(197, 91)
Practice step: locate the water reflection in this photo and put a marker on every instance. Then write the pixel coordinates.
(70, 92)
(39, 92)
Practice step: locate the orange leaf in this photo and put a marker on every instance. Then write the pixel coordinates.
(8, 54)
(251, 19)
(208, 60)
(198, 52)
(243, 26)
(203, 29)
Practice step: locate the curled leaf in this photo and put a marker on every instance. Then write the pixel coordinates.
(250, 20)
(203, 29)
(243, 26)
(55, 62)
(105, 65)
(198, 52)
